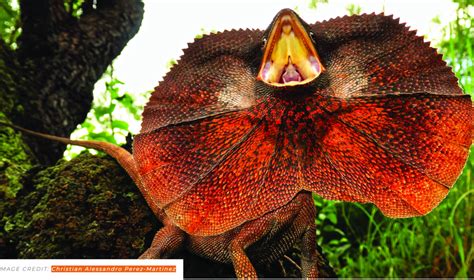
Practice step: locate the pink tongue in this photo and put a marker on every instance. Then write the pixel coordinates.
(291, 74)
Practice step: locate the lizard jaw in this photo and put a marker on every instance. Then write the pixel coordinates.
(290, 58)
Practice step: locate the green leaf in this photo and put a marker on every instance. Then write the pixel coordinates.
(102, 110)
(120, 124)
(313, 4)
(332, 217)
(103, 136)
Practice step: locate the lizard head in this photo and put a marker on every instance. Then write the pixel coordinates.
(289, 53)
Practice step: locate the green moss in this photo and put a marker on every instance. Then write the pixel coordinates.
(85, 208)
(14, 161)
(8, 83)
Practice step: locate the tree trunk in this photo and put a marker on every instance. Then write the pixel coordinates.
(59, 59)
(88, 207)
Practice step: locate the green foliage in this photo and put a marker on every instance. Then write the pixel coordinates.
(74, 7)
(360, 242)
(353, 9)
(111, 116)
(313, 4)
(204, 32)
(171, 63)
(458, 46)
(9, 22)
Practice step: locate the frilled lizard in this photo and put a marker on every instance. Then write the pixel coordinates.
(249, 123)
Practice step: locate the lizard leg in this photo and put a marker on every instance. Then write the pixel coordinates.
(166, 241)
(309, 253)
(248, 235)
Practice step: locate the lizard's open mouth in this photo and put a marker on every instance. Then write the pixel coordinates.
(289, 57)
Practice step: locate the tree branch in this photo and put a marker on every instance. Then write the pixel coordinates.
(62, 59)
(39, 19)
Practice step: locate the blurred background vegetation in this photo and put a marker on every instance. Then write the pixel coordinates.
(358, 240)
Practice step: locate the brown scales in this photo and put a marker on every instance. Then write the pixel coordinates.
(228, 162)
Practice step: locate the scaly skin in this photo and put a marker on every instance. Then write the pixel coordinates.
(386, 123)
(227, 162)
(259, 241)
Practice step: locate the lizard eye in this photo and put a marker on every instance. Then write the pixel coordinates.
(264, 43)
